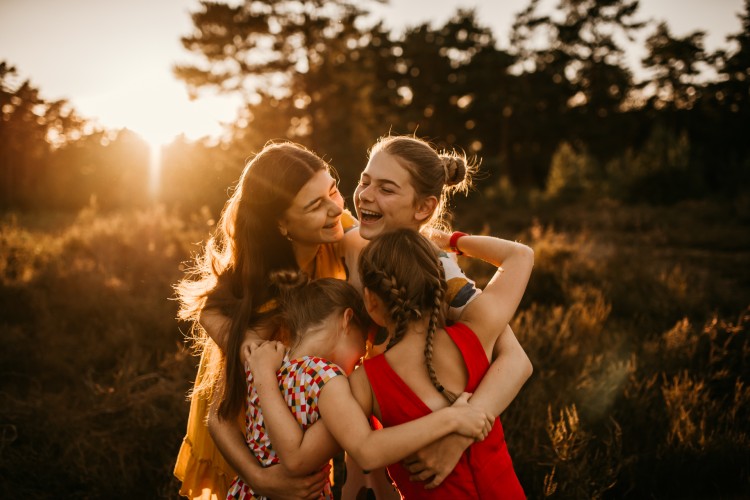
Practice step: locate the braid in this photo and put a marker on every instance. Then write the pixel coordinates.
(400, 308)
(440, 287)
(402, 268)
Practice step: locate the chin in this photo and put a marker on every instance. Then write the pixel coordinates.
(369, 232)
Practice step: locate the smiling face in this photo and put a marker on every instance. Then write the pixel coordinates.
(314, 216)
(385, 198)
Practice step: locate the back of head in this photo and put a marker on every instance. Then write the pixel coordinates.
(306, 304)
(432, 173)
(402, 268)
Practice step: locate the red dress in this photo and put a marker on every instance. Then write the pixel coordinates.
(485, 469)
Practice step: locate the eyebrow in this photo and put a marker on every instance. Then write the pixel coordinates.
(313, 202)
(381, 181)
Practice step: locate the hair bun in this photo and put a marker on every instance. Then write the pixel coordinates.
(288, 280)
(455, 168)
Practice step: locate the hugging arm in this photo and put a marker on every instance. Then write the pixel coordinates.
(274, 481)
(349, 427)
(510, 367)
(300, 452)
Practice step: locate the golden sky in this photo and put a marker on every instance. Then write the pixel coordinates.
(112, 59)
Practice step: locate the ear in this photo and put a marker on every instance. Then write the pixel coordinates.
(374, 306)
(282, 225)
(425, 208)
(346, 319)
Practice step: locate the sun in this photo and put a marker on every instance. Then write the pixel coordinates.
(159, 111)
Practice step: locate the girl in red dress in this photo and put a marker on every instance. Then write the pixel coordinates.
(428, 364)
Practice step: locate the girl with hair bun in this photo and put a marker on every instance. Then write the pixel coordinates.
(328, 322)
(407, 184)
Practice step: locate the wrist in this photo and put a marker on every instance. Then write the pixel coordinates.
(264, 378)
(454, 423)
(253, 474)
(453, 242)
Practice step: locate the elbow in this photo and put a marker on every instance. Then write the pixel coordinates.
(212, 424)
(366, 461)
(528, 369)
(295, 466)
(527, 253)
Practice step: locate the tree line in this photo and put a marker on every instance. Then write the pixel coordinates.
(558, 113)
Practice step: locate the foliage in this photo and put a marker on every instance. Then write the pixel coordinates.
(94, 372)
(636, 321)
(327, 76)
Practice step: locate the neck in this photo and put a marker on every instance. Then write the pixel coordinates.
(314, 342)
(414, 328)
(305, 257)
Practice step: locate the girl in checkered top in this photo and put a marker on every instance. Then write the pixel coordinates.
(328, 323)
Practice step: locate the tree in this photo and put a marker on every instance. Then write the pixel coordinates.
(264, 50)
(582, 50)
(727, 107)
(675, 64)
(31, 128)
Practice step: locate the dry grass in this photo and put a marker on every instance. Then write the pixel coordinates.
(636, 321)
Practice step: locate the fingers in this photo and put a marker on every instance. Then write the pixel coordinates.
(253, 345)
(414, 467)
(279, 347)
(422, 476)
(463, 398)
(436, 481)
(317, 483)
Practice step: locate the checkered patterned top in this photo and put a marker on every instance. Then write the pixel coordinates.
(300, 381)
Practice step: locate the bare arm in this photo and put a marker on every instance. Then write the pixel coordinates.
(506, 375)
(300, 452)
(370, 449)
(216, 325)
(274, 481)
(510, 369)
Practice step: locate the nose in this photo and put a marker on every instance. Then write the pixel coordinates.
(363, 193)
(334, 210)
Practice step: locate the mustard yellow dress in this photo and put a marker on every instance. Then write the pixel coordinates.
(204, 473)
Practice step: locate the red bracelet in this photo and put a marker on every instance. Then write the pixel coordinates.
(453, 242)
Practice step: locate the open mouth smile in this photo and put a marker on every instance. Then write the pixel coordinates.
(369, 215)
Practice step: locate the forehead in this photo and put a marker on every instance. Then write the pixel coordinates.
(318, 185)
(386, 167)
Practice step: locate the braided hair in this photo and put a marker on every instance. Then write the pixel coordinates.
(402, 268)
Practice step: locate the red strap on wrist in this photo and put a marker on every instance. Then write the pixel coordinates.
(453, 242)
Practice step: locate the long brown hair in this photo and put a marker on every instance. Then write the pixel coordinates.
(232, 275)
(402, 268)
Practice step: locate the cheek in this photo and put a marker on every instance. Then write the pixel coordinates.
(339, 200)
